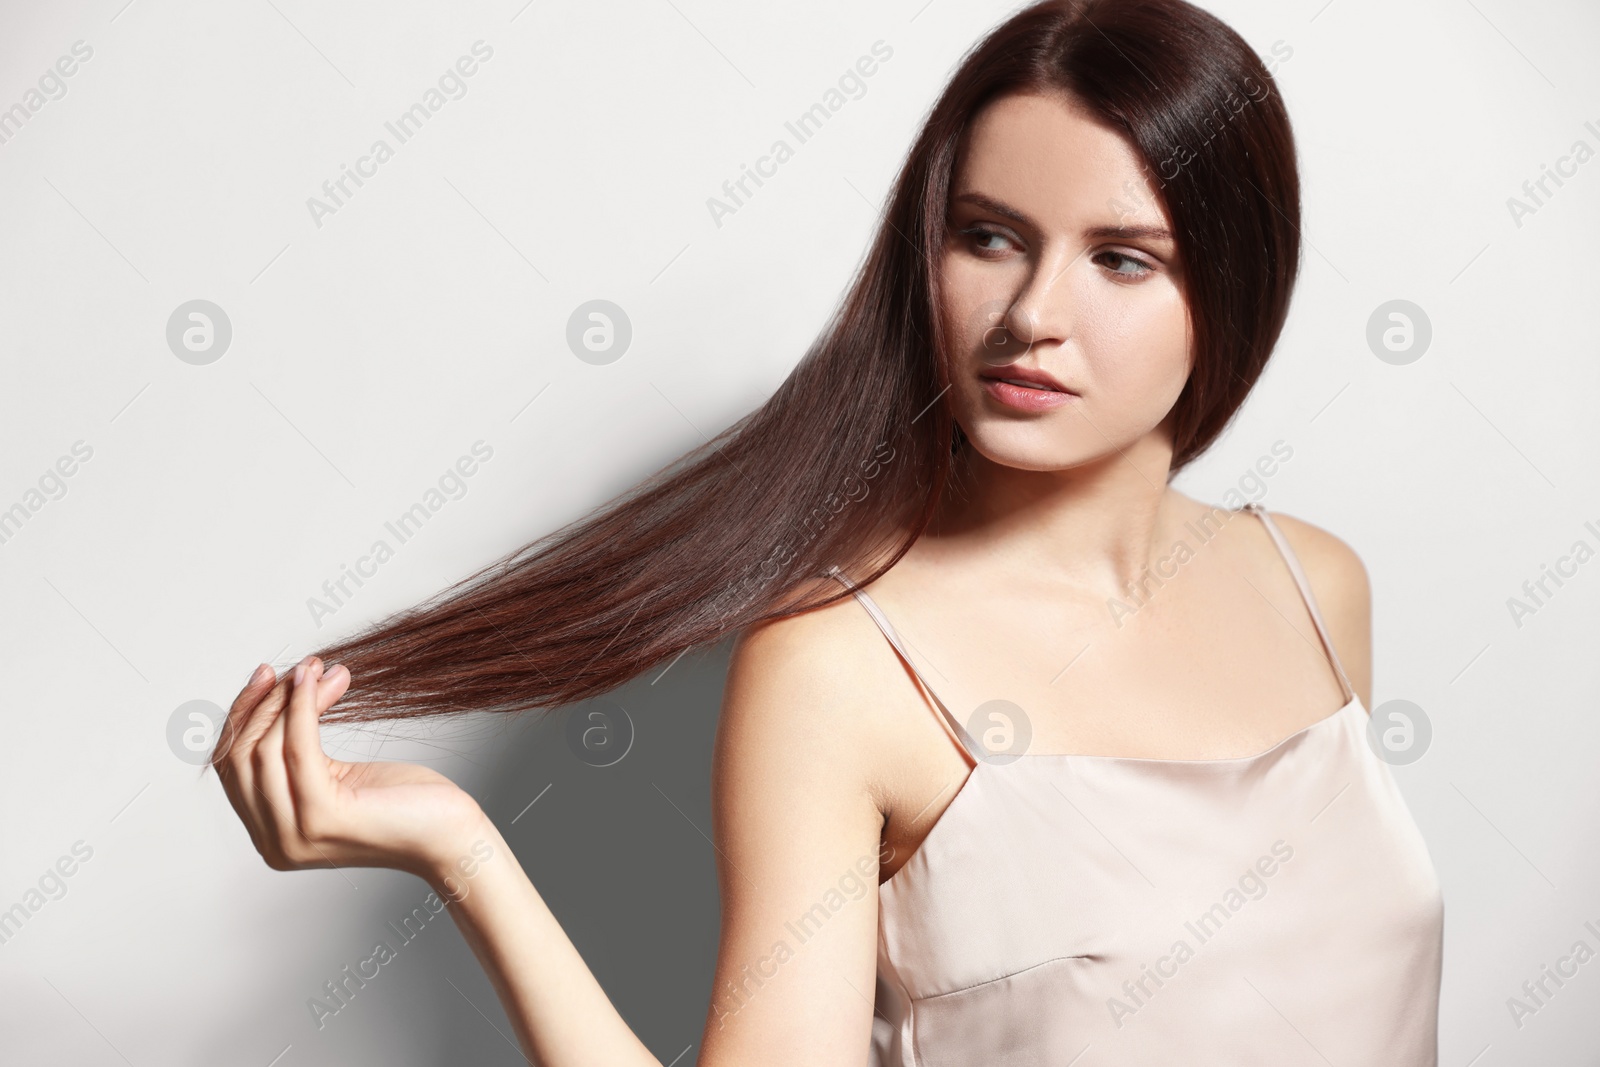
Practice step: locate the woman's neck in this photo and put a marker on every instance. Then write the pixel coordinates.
(1098, 525)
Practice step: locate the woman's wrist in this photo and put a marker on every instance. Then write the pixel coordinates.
(455, 860)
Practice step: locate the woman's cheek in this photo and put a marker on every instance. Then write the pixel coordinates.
(1151, 331)
(1138, 376)
(974, 312)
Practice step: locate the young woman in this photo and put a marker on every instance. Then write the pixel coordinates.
(1109, 766)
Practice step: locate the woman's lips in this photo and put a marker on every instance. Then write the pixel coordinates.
(1025, 397)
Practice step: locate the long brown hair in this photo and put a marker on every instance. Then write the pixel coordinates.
(847, 462)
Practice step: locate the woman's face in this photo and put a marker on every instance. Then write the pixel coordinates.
(1059, 261)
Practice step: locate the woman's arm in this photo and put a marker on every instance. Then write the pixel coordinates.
(796, 834)
(562, 1016)
(797, 822)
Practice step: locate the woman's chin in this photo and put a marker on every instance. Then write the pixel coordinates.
(1030, 448)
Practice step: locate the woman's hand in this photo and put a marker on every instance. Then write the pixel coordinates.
(305, 810)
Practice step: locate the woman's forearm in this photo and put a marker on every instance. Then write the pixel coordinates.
(562, 1016)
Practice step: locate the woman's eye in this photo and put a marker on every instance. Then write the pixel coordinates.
(979, 235)
(1124, 265)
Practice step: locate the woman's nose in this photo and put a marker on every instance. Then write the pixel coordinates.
(1042, 310)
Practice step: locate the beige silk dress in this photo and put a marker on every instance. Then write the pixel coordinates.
(1277, 909)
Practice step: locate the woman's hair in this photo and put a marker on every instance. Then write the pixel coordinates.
(847, 462)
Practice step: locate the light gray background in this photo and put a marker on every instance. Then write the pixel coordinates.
(430, 312)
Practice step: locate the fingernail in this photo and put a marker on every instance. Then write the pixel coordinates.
(255, 675)
(299, 673)
(336, 667)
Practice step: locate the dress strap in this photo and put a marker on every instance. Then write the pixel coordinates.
(1305, 592)
(958, 733)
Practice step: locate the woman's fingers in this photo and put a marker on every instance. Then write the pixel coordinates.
(304, 760)
(253, 725)
(272, 765)
(240, 710)
(230, 758)
(272, 776)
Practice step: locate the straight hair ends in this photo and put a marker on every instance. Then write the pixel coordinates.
(743, 528)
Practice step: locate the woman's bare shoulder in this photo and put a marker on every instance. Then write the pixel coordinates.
(1342, 590)
(1335, 570)
(1329, 561)
(812, 683)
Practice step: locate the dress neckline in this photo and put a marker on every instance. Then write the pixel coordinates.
(1069, 758)
(1354, 701)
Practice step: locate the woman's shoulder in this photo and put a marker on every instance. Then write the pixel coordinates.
(812, 643)
(1340, 586)
(811, 684)
(1330, 563)
(1326, 558)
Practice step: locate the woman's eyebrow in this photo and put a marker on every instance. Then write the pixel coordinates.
(1130, 233)
(999, 207)
(1124, 233)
